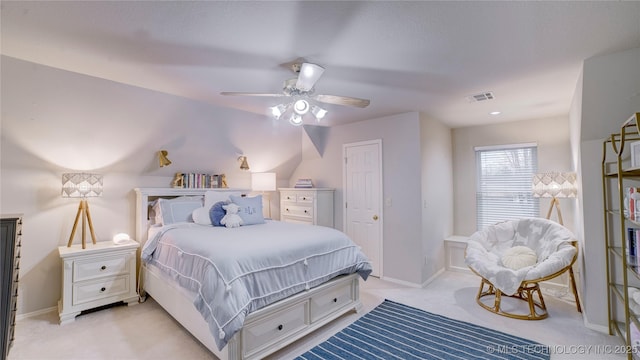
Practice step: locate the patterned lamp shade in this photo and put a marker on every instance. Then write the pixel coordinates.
(555, 185)
(81, 185)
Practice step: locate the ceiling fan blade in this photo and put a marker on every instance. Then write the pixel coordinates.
(342, 100)
(233, 93)
(309, 75)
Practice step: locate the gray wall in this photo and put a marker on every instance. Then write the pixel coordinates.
(437, 193)
(400, 136)
(607, 94)
(55, 121)
(554, 154)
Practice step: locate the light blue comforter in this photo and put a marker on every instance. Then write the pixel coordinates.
(235, 271)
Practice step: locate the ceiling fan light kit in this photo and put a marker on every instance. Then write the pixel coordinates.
(302, 89)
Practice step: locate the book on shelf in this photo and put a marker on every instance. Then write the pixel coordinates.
(198, 181)
(303, 183)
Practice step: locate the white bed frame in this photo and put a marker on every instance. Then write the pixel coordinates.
(265, 331)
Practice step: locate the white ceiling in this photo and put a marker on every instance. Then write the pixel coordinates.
(403, 56)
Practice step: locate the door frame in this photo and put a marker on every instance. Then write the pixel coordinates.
(377, 142)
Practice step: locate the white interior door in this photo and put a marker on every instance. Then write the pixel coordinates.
(363, 198)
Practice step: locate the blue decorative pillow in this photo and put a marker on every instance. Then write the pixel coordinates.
(250, 209)
(216, 213)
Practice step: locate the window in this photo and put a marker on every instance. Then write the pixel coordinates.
(503, 189)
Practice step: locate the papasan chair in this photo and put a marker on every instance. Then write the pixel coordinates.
(513, 257)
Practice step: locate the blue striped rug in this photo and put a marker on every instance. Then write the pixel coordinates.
(396, 331)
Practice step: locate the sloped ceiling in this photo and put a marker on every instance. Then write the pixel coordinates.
(403, 56)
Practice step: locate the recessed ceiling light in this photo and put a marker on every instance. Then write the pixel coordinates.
(495, 113)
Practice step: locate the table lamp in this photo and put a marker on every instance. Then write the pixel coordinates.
(82, 185)
(264, 182)
(555, 185)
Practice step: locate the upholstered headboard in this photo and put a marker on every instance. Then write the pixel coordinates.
(144, 196)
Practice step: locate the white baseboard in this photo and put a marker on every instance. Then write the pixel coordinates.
(36, 313)
(400, 282)
(411, 284)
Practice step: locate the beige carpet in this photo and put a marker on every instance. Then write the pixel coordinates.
(145, 331)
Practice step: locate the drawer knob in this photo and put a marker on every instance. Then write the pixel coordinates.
(103, 289)
(280, 327)
(287, 210)
(305, 211)
(335, 300)
(103, 267)
(304, 198)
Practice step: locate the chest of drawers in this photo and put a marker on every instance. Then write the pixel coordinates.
(308, 206)
(10, 245)
(101, 274)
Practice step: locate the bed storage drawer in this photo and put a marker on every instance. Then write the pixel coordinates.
(277, 326)
(329, 301)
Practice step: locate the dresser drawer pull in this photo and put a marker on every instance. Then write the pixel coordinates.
(280, 327)
(103, 289)
(103, 267)
(335, 300)
(287, 210)
(306, 211)
(304, 198)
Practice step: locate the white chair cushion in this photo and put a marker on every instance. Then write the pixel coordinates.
(549, 240)
(519, 257)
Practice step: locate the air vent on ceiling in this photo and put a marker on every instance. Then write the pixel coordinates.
(488, 95)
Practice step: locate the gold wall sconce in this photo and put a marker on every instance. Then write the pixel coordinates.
(163, 159)
(243, 163)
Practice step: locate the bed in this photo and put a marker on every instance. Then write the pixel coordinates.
(237, 313)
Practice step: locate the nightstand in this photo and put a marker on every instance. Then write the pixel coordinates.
(101, 274)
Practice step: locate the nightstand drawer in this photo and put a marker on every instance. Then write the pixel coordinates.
(299, 211)
(96, 268)
(96, 290)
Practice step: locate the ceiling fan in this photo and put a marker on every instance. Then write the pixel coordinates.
(301, 90)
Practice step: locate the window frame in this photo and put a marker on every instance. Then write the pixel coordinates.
(514, 192)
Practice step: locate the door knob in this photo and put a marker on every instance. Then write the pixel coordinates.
(375, 217)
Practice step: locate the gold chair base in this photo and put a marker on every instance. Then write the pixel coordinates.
(526, 292)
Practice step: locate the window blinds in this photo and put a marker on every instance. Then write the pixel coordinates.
(503, 189)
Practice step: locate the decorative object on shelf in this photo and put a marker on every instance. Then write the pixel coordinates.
(264, 182)
(304, 184)
(82, 185)
(222, 181)
(163, 159)
(634, 148)
(555, 185)
(243, 163)
(300, 92)
(178, 180)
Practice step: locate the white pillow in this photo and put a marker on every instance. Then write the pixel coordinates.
(169, 211)
(201, 216)
(212, 196)
(518, 257)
